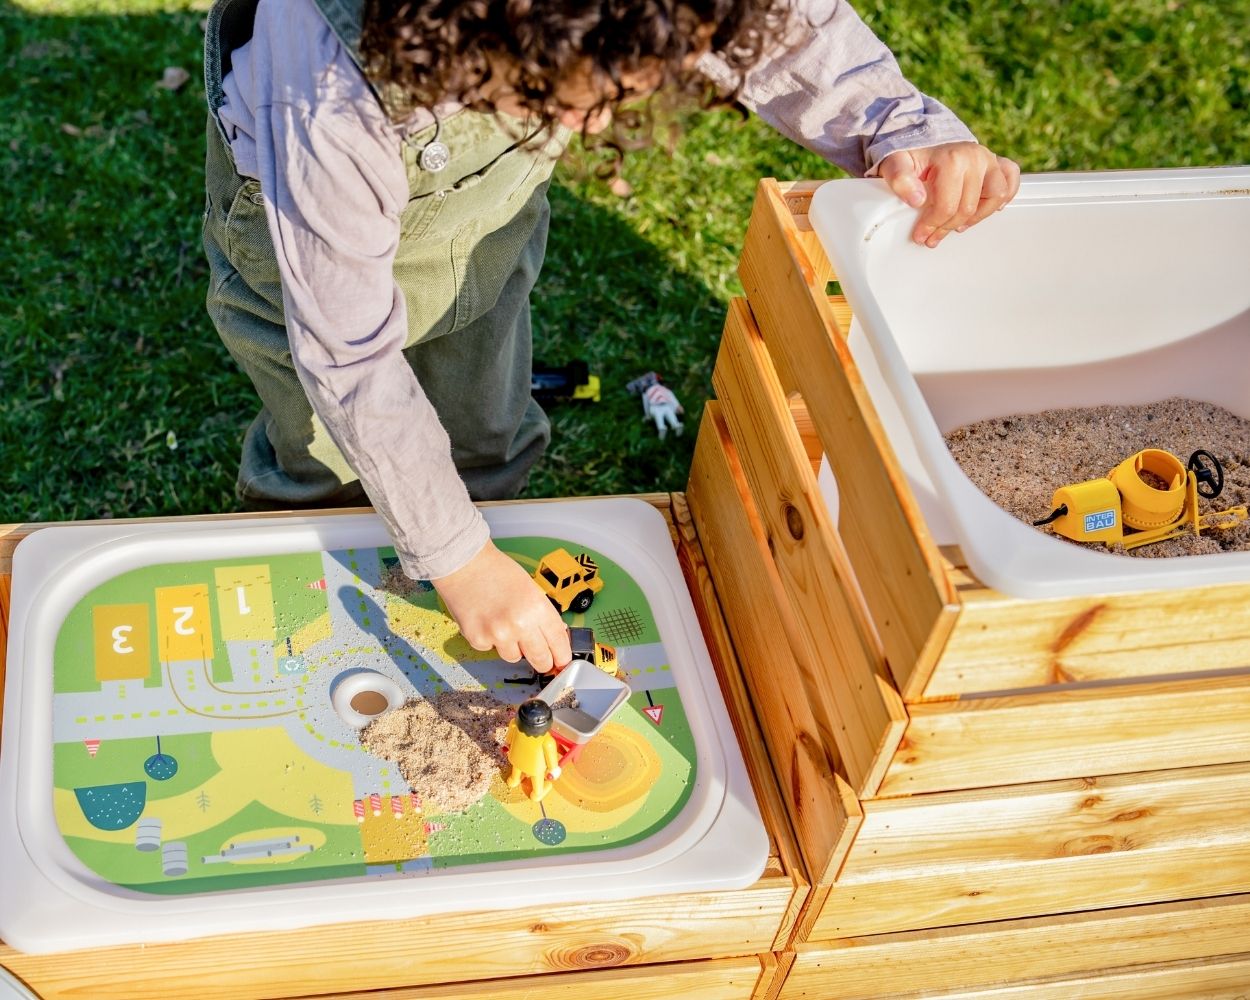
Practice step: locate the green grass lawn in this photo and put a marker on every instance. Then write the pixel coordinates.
(118, 400)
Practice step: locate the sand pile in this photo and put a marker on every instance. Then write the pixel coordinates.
(1019, 461)
(447, 749)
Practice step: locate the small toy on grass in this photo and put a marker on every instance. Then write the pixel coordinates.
(569, 583)
(1149, 497)
(570, 382)
(659, 403)
(531, 749)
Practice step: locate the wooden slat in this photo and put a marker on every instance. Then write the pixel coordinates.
(777, 968)
(1072, 732)
(380, 954)
(898, 566)
(823, 808)
(784, 855)
(967, 857)
(843, 674)
(724, 979)
(982, 954)
(1225, 979)
(1000, 643)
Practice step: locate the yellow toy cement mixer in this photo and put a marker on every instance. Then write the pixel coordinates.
(1149, 497)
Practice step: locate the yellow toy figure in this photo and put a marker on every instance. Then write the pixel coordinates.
(532, 749)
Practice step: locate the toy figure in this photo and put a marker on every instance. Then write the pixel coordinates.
(532, 749)
(659, 403)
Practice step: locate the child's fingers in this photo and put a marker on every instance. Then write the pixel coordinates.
(946, 191)
(537, 652)
(557, 637)
(509, 650)
(1011, 170)
(995, 193)
(898, 170)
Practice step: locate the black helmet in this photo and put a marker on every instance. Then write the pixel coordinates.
(533, 718)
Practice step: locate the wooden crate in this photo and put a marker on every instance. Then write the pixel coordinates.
(714, 945)
(949, 755)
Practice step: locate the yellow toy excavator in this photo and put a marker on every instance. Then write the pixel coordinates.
(1149, 497)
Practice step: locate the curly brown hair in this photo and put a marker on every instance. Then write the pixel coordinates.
(423, 52)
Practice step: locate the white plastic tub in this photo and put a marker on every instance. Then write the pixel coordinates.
(51, 900)
(1111, 288)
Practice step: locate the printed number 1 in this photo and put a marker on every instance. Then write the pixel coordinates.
(181, 617)
(120, 636)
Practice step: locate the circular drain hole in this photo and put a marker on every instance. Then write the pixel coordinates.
(361, 696)
(370, 703)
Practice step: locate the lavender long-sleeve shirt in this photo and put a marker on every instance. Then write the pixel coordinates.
(301, 119)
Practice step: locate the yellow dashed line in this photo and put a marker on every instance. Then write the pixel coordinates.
(81, 720)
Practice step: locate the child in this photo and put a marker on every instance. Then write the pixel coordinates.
(376, 218)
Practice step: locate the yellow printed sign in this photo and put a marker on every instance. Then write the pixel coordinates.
(183, 628)
(121, 641)
(245, 603)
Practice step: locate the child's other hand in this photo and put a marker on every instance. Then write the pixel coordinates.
(497, 605)
(957, 184)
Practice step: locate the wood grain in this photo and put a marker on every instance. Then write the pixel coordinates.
(822, 807)
(899, 568)
(1000, 643)
(723, 979)
(840, 666)
(967, 857)
(1007, 951)
(1224, 979)
(783, 847)
(1072, 732)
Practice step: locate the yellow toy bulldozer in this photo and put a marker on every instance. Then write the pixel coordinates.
(1149, 497)
(570, 583)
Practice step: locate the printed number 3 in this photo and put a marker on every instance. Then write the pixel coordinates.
(120, 635)
(182, 616)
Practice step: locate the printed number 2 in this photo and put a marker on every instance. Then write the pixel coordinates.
(182, 616)
(120, 639)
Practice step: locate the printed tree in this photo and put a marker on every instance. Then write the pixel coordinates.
(315, 804)
(202, 800)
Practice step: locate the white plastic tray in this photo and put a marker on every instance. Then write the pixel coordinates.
(50, 901)
(1112, 288)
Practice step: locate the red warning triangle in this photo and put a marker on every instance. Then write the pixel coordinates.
(93, 747)
(318, 584)
(654, 712)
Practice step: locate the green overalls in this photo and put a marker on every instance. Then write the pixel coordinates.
(472, 244)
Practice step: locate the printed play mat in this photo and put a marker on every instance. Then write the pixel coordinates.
(197, 747)
(204, 737)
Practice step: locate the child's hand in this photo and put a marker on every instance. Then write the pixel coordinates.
(496, 604)
(958, 183)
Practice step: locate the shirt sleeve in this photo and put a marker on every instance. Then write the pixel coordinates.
(832, 86)
(335, 186)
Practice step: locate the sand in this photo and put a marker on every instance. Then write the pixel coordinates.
(1019, 461)
(448, 749)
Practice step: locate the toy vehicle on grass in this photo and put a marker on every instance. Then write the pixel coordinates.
(569, 583)
(550, 384)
